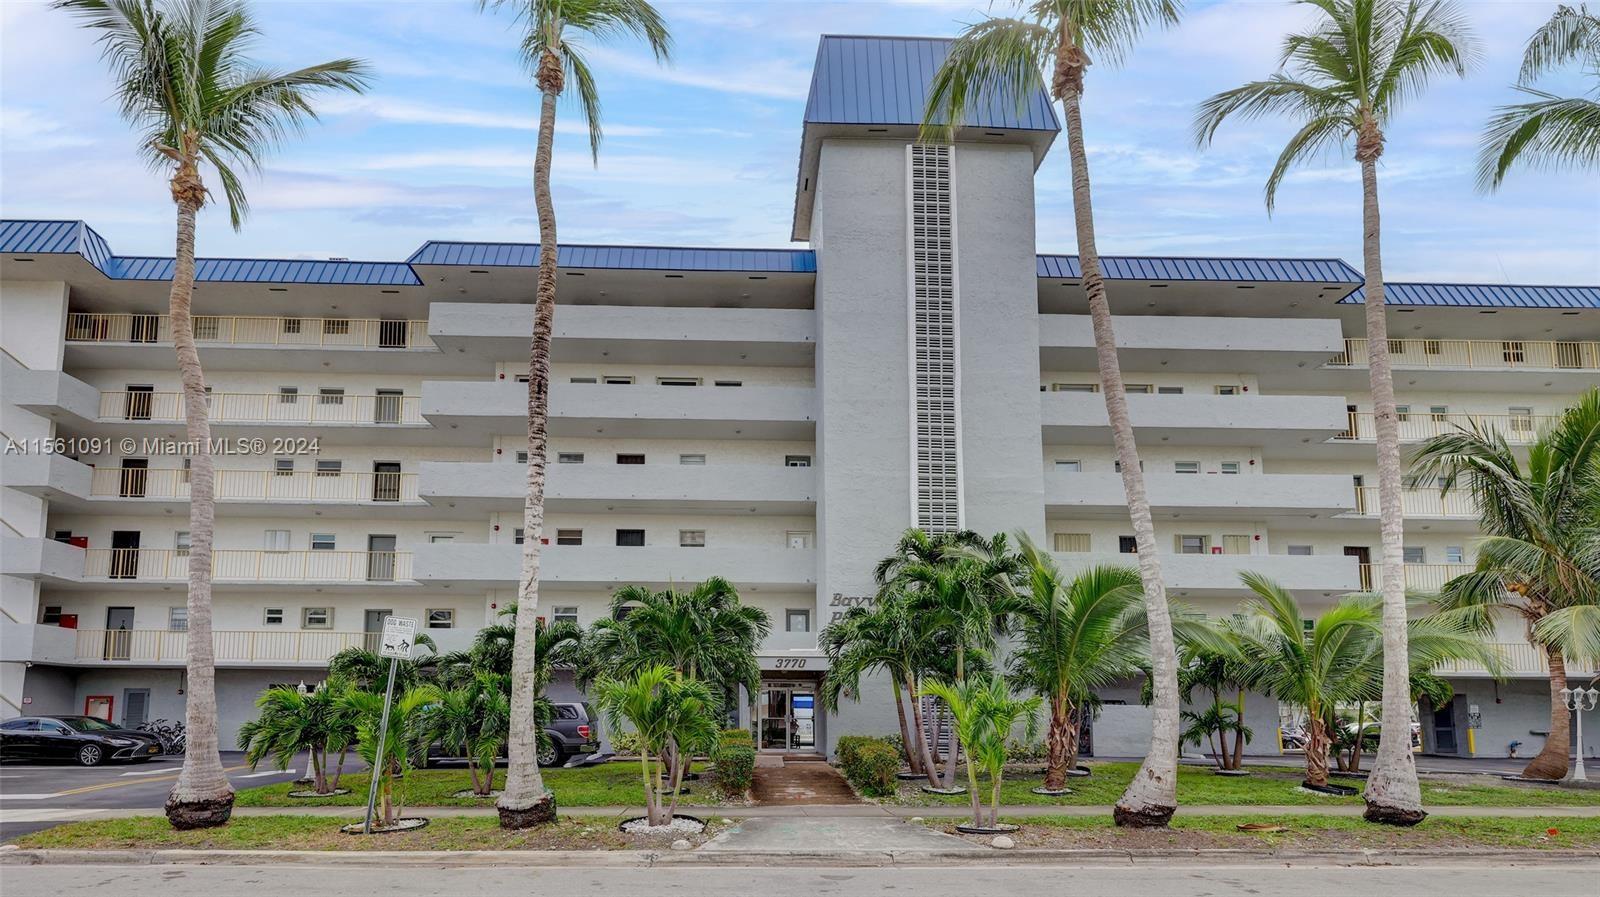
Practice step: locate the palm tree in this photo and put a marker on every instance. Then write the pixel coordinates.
(1206, 668)
(401, 744)
(366, 669)
(1541, 558)
(985, 713)
(549, 47)
(472, 719)
(1073, 634)
(672, 715)
(1550, 130)
(1342, 82)
(185, 85)
(1340, 660)
(1005, 56)
(292, 720)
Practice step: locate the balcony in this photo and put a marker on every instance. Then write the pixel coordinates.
(234, 330)
(1516, 659)
(1543, 356)
(265, 648)
(500, 407)
(259, 486)
(267, 408)
(498, 565)
(746, 488)
(1218, 496)
(40, 559)
(376, 568)
(1518, 429)
(1195, 344)
(1218, 574)
(1420, 577)
(1268, 421)
(46, 476)
(1420, 503)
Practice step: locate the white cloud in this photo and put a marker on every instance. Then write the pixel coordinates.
(409, 112)
(775, 78)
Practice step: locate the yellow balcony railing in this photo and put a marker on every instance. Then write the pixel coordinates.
(1416, 426)
(240, 330)
(1423, 577)
(295, 646)
(1419, 503)
(1559, 355)
(258, 485)
(273, 408)
(248, 565)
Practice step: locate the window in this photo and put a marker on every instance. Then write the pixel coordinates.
(330, 396)
(277, 540)
(291, 325)
(569, 537)
(1230, 467)
(581, 380)
(797, 619)
(617, 381)
(1169, 390)
(1227, 390)
(1397, 347)
(1186, 467)
(691, 538)
(1512, 350)
(692, 460)
(519, 535)
(1117, 466)
(1521, 418)
(1074, 387)
(283, 467)
(1432, 347)
(1073, 543)
(1127, 545)
(1069, 466)
(728, 383)
(1300, 551)
(630, 459)
(796, 460)
(441, 538)
(316, 618)
(180, 543)
(329, 467)
(178, 619)
(1193, 544)
(272, 616)
(441, 618)
(288, 395)
(1454, 555)
(561, 457)
(50, 615)
(1402, 413)
(564, 613)
(524, 378)
(1142, 389)
(1439, 413)
(1235, 544)
(186, 470)
(335, 326)
(630, 538)
(322, 542)
(677, 381)
(1414, 555)
(522, 457)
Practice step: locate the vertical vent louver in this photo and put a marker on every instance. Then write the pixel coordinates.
(934, 375)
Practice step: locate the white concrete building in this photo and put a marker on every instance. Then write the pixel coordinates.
(773, 416)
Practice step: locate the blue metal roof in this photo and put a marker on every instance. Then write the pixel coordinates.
(55, 237)
(884, 81)
(648, 258)
(1199, 269)
(1484, 295)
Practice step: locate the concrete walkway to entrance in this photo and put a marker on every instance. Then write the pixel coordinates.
(781, 781)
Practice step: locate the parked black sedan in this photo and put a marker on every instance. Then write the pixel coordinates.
(88, 740)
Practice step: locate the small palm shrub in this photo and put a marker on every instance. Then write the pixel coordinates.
(869, 764)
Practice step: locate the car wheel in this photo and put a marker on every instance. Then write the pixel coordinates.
(90, 755)
(549, 755)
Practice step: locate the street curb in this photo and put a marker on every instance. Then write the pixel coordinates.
(835, 859)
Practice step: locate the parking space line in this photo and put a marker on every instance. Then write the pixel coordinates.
(152, 772)
(172, 774)
(4, 797)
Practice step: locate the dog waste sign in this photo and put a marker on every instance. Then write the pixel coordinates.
(399, 634)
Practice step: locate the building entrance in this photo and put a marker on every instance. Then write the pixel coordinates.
(788, 717)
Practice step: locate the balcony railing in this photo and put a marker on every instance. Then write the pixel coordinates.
(235, 330)
(258, 485)
(1516, 658)
(1477, 353)
(232, 646)
(1419, 503)
(1424, 577)
(1416, 426)
(248, 565)
(266, 408)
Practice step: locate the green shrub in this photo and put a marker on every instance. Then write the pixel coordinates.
(737, 736)
(736, 768)
(626, 744)
(869, 764)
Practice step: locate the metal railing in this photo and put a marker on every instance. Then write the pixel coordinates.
(274, 408)
(237, 330)
(232, 646)
(249, 565)
(1425, 577)
(1480, 354)
(1415, 426)
(258, 485)
(1516, 658)
(1419, 503)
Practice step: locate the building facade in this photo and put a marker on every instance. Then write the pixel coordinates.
(773, 416)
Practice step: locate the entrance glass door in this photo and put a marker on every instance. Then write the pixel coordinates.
(775, 719)
(788, 718)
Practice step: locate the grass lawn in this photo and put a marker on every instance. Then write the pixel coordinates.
(1267, 785)
(322, 833)
(1334, 832)
(607, 785)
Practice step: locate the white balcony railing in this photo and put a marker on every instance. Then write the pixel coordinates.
(1424, 577)
(1416, 426)
(236, 330)
(1477, 354)
(265, 408)
(1516, 658)
(258, 485)
(247, 565)
(1419, 503)
(307, 646)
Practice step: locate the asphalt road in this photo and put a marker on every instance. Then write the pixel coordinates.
(1575, 879)
(35, 795)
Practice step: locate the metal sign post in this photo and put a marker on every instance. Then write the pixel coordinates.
(399, 633)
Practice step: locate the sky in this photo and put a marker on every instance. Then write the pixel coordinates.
(703, 152)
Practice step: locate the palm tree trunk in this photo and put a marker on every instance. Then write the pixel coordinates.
(1317, 750)
(1393, 795)
(924, 742)
(1238, 734)
(526, 802)
(1074, 736)
(913, 762)
(1551, 762)
(954, 742)
(1152, 797)
(201, 798)
(1056, 747)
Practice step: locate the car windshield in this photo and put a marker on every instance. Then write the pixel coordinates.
(87, 723)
